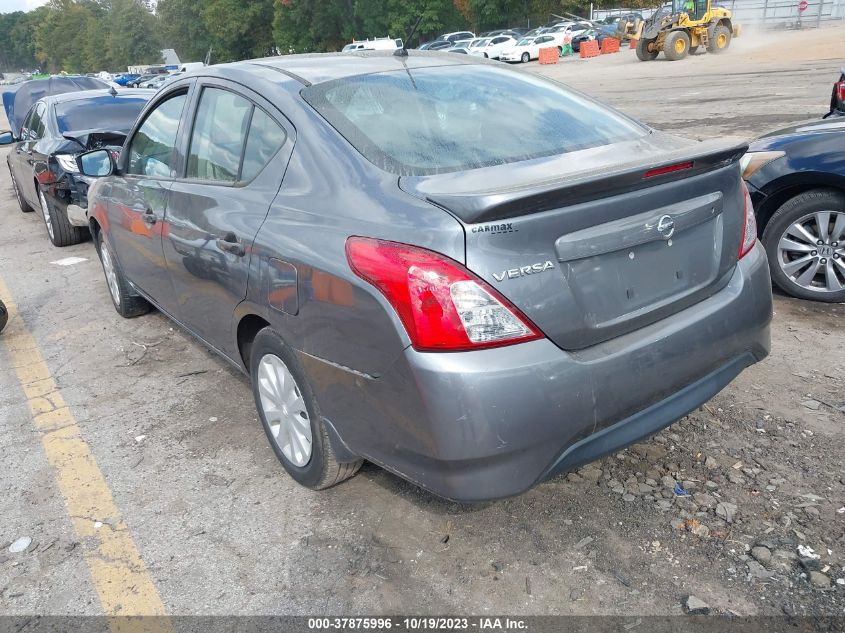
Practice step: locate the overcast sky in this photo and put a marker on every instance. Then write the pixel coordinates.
(7, 6)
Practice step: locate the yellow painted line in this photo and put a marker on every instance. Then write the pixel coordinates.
(121, 579)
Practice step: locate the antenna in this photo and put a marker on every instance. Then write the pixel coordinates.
(403, 52)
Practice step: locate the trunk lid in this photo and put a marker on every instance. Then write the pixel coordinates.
(587, 246)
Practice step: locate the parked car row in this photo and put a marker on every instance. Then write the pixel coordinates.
(464, 320)
(50, 134)
(511, 45)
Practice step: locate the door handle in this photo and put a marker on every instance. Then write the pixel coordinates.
(149, 217)
(229, 244)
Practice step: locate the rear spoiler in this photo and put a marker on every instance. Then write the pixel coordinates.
(497, 203)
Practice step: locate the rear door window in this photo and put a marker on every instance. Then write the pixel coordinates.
(151, 152)
(219, 136)
(34, 124)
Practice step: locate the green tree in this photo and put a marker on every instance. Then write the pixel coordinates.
(239, 29)
(182, 27)
(17, 47)
(129, 35)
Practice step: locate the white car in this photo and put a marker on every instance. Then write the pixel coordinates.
(492, 47)
(565, 31)
(528, 48)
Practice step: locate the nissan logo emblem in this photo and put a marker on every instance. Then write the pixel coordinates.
(666, 226)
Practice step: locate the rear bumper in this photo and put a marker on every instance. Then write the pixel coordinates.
(481, 425)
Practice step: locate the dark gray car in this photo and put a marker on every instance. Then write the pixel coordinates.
(475, 297)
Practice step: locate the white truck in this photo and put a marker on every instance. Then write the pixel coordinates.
(376, 44)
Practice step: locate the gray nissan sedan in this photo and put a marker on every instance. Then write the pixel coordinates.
(476, 298)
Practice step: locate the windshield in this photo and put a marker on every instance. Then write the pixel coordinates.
(106, 113)
(479, 43)
(525, 41)
(436, 120)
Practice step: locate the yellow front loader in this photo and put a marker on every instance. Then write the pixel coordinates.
(679, 31)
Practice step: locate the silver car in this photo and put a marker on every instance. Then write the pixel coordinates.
(475, 298)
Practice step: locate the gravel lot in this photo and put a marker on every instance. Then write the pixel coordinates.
(222, 530)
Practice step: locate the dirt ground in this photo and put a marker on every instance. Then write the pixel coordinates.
(222, 530)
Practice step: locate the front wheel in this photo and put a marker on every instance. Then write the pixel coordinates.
(719, 39)
(526, 58)
(127, 304)
(645, 50)
(291, 417)
(805, 245)
(676, 45)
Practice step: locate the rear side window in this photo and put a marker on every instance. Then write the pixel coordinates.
(232, 140)
(219, 135)
(436, 120)
(264, 140)
(151, 151)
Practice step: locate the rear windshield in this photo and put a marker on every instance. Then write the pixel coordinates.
(106, 113)
(441, 119)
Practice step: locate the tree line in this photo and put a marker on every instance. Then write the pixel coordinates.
(78, 36)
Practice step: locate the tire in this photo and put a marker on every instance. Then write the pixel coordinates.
(4, 316)
(718, 39)
(643, 53)
(127, 304)
(59, 228)
(526, 58)
(22, 203)
(676, 46)
(312, 466)
(788, 273)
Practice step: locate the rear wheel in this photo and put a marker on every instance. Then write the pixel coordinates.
(805, 245)
(291, 417)
(645, 50)
(23, 204)
(526, 58)
(126, 304)
(676, 45)
(60, 230)
(719, 38)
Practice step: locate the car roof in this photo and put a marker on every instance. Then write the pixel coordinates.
(317, 68)
(87, 94)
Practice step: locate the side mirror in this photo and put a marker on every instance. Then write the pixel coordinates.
(6, 138)
(96, 164)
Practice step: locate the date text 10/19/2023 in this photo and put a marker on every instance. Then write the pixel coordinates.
(401, 624)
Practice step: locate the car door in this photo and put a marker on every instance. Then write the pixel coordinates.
(216, 208)
(24, 158)
(138, 196)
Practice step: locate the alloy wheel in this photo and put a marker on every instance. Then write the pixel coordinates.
(45, 211)
(811, 252)
(284, 410)
(111, 273)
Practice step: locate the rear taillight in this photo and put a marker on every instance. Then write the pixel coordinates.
(443, 306)
(749, 226)
(839, 87)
